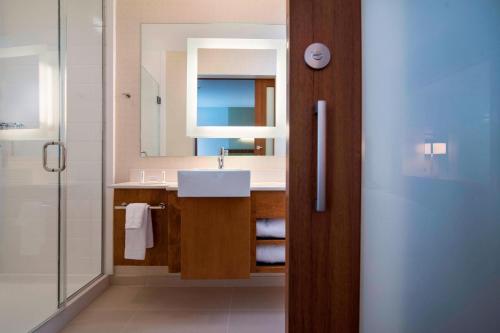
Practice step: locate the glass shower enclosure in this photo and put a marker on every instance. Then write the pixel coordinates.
(50, 156)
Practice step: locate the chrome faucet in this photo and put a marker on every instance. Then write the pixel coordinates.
(220, 158)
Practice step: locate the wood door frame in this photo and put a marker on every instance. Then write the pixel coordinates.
(261, 86)
(323, 253)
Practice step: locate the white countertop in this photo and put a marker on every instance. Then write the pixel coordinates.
(172, 186)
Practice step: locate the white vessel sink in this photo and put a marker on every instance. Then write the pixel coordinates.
(213, 183)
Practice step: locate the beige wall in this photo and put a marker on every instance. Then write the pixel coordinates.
(129, 16)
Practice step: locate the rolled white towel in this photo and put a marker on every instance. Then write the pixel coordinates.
(270, 254)
(271, 228)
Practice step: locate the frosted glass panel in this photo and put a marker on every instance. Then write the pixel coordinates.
(82, 181)
(431, 172)
(29, 200)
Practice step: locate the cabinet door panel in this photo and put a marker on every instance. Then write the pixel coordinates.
(215, 238)
(268, 204)
(157, 255)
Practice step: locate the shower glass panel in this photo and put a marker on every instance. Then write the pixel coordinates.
(29, 195)
(151, 136)
(431, 173)
(82, 182)
(50, 220)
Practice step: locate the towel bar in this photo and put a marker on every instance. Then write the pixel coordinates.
(160, 206)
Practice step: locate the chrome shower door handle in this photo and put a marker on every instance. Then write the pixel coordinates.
(321, 157)
(62, 150)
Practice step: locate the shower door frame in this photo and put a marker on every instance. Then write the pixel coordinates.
(53, 130)
(62, 296)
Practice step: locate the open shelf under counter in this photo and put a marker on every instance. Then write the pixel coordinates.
(267, 205)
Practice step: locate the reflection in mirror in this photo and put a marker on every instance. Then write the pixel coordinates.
(28, 92)
(151, 138)
(19, 92)
(236, 87)
(241, 147)
(236, 102)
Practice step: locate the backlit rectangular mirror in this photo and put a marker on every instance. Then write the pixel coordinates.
(207, 86)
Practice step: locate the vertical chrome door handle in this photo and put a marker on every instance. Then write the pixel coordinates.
(321, 157)
(62, 149)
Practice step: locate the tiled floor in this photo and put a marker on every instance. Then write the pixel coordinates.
(26, 300)
(136, 309)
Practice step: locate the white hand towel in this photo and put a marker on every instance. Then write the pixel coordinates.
(271, 228)
(138, 231)
(135, 215)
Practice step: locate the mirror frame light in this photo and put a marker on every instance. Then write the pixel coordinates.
(195, 131)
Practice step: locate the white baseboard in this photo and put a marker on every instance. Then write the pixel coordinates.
(73, 307)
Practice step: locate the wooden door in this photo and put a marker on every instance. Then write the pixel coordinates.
(323, 252)
(261, 118)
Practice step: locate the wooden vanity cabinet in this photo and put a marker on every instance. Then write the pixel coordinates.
(220, 243)
(174, 233)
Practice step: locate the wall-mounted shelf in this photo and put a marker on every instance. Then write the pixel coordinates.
(270, 269)
(270, 241)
